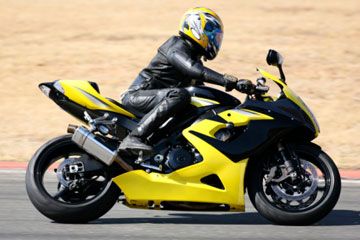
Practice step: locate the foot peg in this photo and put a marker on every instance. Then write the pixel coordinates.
(140, 158)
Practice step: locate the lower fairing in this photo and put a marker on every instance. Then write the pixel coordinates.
(143, 189)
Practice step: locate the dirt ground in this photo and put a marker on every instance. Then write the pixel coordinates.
(109, 41)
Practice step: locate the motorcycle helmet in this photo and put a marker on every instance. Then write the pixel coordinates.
(204, 27)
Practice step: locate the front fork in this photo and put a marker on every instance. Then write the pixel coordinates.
(291, 160)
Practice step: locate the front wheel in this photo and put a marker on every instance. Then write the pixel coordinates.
(67, 185)
(294, 201)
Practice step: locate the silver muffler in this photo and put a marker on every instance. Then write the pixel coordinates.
(89, 142)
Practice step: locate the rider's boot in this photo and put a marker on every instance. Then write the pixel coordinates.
(134, 144)
(135, 140)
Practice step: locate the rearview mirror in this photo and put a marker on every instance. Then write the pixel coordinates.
(274, 58)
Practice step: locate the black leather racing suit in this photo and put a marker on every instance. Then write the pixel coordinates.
(159, 90)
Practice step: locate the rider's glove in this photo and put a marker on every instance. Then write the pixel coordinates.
(245, 86)
(230, 82)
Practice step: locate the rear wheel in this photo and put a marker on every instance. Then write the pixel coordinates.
(67, 185)
(303, 200)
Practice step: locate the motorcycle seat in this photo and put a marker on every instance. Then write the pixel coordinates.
(133, 111)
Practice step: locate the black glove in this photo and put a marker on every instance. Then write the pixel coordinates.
(245, 86)
(230, 82)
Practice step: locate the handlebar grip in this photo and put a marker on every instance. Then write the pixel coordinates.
(245, 86)
(262, 89)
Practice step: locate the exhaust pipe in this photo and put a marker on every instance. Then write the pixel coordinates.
(90, 143)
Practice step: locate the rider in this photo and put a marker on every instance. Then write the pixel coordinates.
(159, 90)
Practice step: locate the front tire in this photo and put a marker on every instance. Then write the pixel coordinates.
(71, 206)
(278, 205)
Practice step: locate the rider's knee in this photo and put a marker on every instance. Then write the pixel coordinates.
(180, 95)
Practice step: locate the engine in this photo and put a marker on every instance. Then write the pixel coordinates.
(179, 157)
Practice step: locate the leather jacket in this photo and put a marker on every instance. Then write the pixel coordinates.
(176, 64)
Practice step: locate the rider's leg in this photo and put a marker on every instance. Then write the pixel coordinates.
(160, 105)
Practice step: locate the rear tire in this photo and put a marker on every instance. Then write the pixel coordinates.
(61, 211)
(289, 216)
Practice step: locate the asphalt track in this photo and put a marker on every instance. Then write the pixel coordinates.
(20, 220)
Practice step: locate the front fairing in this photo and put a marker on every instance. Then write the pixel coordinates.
(292, 96)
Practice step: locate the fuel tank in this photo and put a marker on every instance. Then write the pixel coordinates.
(205, 96)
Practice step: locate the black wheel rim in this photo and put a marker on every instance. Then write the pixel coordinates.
(302, 199)
(91, 187)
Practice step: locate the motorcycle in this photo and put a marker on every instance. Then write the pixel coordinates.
(205, 158)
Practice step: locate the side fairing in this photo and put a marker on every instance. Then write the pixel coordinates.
(251, 124)
(186, 184)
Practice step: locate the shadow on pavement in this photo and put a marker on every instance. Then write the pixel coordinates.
(341, 218)
(335, 218)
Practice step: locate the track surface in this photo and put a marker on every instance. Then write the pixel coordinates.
(20, 220)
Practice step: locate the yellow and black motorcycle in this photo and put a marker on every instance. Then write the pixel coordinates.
(205, 158)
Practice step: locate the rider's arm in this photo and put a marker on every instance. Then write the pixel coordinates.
(196, 70)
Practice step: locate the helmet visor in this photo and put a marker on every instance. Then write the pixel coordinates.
(215, 35)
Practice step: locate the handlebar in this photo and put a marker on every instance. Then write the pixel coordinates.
(261, 89)
(251, 89)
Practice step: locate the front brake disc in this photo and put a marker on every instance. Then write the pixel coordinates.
(281, 192)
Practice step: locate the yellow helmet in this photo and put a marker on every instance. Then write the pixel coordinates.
(204, 27)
